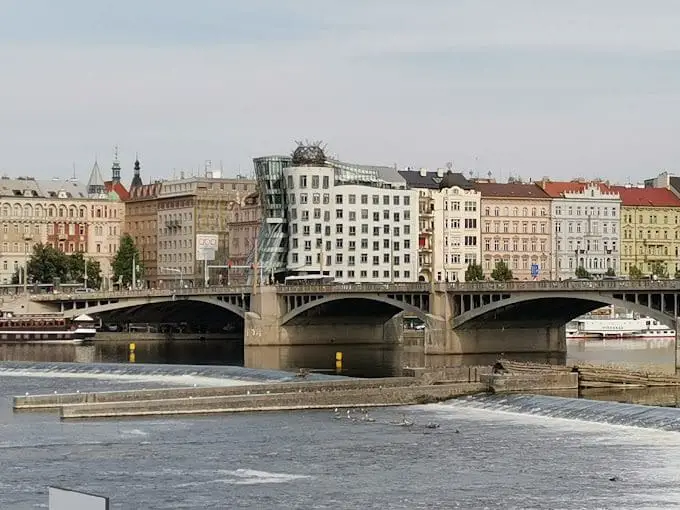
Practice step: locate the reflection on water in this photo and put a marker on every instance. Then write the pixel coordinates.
(368, 360)
(653, 354)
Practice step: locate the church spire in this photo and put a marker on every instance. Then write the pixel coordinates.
(95, 185)
(115, 169)
(137, 178)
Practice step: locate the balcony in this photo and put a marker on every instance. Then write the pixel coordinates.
(173, 223)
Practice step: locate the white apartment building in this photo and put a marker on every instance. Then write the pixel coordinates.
(586, 226)
(354, 223)
(457, 232)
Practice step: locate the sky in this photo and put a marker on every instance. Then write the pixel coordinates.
(526, 88)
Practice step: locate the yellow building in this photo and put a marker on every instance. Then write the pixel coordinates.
(650, 229)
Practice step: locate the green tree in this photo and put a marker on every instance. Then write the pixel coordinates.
(501, 273)
(610, 272)
(45, 265)
(634, 273)
(474, 273)
(122, 261)
(77, 267)
(659, 270)
(581, 272)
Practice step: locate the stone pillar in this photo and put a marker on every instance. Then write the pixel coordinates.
(261, 323)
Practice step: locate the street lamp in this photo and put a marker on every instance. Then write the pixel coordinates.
(175, 270)
(27, 240)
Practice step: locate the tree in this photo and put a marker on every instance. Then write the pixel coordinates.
(474, 273)
(634, 273)
(610, 272)
(45, 265)
(659, 270)
(77, 267)
(122, 261)
(501, 273)
(581, 272)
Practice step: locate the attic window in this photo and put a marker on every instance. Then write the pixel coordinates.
(17, 192)
(52, 194)
(62, 194)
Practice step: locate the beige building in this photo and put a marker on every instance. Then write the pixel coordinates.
(428, 184)
(244, 227)
(62, 213)
(516, 228)
(457, 231)
(186, 208)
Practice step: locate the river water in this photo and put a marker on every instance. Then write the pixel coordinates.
(487, 453)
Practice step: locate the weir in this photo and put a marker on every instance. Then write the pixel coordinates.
(612, 413)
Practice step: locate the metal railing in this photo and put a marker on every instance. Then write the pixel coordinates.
(381, 288)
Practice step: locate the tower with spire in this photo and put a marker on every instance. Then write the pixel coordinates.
(95, 185)
(136, 178)
(115, 168)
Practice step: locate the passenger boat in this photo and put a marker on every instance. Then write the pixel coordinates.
(630, 327)
(45, 328)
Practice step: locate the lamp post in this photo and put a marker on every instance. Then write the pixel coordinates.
(175, 270)
(27, 240)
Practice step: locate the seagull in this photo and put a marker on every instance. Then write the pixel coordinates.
(405, 422)
(432, 425)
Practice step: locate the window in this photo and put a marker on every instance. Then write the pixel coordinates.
(315, 181)
(303, 181)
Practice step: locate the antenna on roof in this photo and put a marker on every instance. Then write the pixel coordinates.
(449, 165)
(74, 170)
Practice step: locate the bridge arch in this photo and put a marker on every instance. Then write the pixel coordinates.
(139, 302)
(584, 302)
(400, 305)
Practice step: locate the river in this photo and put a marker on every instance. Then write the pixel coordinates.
(653, 354)
(486, 453)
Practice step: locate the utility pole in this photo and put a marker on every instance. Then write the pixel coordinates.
(134, 273)
(205, 271)
(255, 263)
(85, 274)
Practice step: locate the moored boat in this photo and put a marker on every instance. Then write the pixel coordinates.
(642, 328)
(45, 328)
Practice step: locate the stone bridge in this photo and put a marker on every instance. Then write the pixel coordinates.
(461, 318)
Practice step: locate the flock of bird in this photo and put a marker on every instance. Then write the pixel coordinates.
(363, 416)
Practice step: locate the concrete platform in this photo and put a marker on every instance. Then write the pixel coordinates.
(299, 400)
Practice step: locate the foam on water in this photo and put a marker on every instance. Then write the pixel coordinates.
(247, 477)
(578, 410)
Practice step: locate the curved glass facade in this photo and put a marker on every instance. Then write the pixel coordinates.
(273, 238)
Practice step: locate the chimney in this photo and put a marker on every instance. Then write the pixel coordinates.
(440, 172)
(423, 172)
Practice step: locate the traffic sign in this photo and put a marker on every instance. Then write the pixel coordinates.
(534, 270)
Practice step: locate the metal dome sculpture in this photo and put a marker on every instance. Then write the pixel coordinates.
(309, 154)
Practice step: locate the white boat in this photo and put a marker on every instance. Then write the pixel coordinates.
(45, 328)
(628, 327)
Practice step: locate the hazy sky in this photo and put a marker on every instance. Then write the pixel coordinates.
(529, 87)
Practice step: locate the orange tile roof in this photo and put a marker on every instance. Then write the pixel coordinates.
(557, 189)
(646, 197)
(118, 188)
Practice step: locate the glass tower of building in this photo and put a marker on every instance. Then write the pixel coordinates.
(273, 237)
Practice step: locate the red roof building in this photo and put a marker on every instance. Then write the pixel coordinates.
(646, 197)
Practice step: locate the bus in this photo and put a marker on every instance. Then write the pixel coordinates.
(310, 279)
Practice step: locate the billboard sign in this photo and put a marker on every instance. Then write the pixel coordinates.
(66, 499)
(206, 246)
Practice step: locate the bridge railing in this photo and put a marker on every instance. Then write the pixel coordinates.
(125, 294)
(380, 288)
(549, 285)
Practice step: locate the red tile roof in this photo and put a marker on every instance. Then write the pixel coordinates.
(118, 188)
(646, 197)
(557, 189)
(510, 190)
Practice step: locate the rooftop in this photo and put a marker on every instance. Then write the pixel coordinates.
(424, 179)
(646, 197)
(511, 190)
(557, 189)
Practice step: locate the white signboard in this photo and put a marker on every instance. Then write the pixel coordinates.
(206, 246)
(65, 499)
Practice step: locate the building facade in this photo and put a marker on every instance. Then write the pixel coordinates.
(67, 215)
(187, 208)
(141, 222)
(516, 228)
(586, 218)
(650, 229)
(244, 229)
(428, 185)
(457, 231)
(354, 223)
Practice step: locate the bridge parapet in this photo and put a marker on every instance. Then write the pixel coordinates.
(565, 285)
(143, 293)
